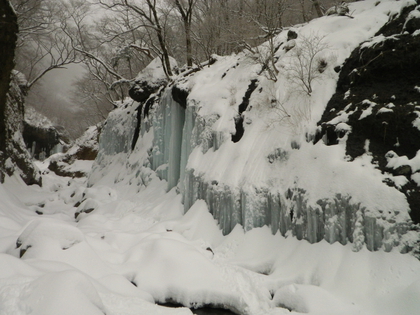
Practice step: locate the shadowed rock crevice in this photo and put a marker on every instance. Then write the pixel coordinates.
(239, 120)
(180, 95)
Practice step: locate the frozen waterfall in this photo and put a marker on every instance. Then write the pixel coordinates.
(175, 133)
(168, 141)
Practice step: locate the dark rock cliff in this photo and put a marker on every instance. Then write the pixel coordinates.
(378, 102)
(13, 155)
(42, 140)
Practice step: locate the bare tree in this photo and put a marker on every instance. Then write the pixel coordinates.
(267, 16)
(308, 61)
(304, 12)
(219, 28)
(317, 7)
(185, 9)
(93, 102)
(119, 44)
(151, 17)
(41, 46)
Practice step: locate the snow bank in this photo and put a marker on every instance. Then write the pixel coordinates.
(123, 258)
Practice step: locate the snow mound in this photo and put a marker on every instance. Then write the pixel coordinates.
(66, 293)
(312, 299)
(172, 270)
(48, 232)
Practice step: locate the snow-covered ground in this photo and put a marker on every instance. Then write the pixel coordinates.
(120, 242)
(132, 252)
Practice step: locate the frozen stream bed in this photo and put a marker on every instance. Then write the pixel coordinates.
(135, 251)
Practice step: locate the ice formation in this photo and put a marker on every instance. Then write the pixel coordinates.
(272, 174)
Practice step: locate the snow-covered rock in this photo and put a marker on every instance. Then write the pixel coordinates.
(150, 79)
(41, 136)
(47, 233)
(78, 160)
(16, 158)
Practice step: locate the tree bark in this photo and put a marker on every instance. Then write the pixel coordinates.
(8, 37)
(188, 45)
(317, 8)
(186, 15)
(161, 38)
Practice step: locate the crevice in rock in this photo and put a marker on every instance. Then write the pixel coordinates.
(138, 126)
(239, 120)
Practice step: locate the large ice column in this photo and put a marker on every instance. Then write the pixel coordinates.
(254, 208)
(189, 141)
(168, 132)
(175, 144)
(177, 131)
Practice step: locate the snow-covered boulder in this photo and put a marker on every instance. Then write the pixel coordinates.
(150, 79)
(78, 160)
(43, 234)
(92, 198)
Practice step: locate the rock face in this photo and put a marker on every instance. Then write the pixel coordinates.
(41, 137)
(376, 107)
(8, 37)
(13, 154)
(84, 149)
(17, 157)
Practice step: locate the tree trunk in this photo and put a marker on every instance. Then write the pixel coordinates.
(186, 15)
(8, 37)
(165, 54)
(317, 8)
(161, 39)
(188, 44)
